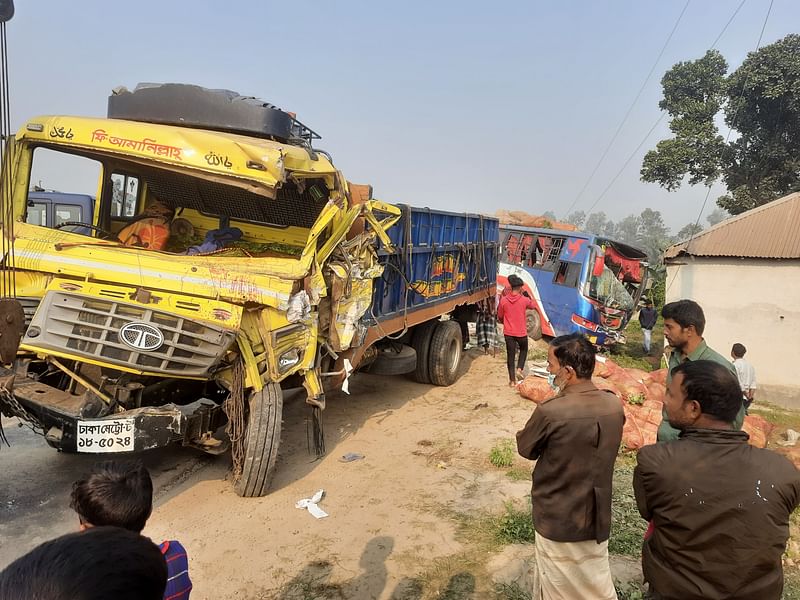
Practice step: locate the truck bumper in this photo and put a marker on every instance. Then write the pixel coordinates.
(54, 414)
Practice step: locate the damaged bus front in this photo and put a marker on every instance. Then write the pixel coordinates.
(188, 303)
(579, 282)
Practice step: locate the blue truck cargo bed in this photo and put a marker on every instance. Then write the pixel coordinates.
(439, 257)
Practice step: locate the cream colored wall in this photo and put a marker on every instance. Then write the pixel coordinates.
(754, 302)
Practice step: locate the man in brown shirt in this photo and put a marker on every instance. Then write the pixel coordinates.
(720, 507)
(574, 437)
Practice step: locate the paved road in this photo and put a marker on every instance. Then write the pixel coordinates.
(35, 483)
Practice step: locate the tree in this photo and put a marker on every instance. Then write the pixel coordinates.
(550, 216)
(598, 224)
(653, 235)
(576, 218)
(688, 231)
(760, 101)
(627, 230)
(717, 216)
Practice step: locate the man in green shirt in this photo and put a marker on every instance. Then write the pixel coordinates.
(684, 323)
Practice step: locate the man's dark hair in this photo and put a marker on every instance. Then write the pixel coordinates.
(575, 351)
(96, 564)
(515, 281)
(738, 350)
(713, 386)
(114, 493)
(685, 313)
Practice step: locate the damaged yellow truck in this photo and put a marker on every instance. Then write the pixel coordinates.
(225, 259)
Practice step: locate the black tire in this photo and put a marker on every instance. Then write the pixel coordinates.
(261, 441)
(445, 353)
(533, 323)
(394, 361)
(421, 342)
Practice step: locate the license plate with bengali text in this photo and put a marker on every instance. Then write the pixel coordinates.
(111, 435)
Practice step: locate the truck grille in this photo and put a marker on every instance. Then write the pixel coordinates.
(90, 327)
(29, 305)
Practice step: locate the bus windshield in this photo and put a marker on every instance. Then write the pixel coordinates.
(610, 291)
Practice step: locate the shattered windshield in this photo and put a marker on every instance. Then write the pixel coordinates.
(609, 290)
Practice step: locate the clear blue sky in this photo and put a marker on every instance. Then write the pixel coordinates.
(469, 106)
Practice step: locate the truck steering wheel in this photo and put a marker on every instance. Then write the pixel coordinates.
(105, 235)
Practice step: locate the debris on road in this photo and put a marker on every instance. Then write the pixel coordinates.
(311, 504)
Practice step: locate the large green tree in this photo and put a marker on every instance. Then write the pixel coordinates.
(760, 102)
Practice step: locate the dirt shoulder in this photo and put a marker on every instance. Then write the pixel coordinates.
(413, 519)
(425, 459)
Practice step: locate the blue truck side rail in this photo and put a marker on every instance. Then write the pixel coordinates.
(439, 259)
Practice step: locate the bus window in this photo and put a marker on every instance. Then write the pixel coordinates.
(525, 250)
(568, 274)
(511, 245)
(546, 252)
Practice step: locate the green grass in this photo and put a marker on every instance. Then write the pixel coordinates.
(781, 417)
(512, 591)
(627, 525)
(630, 590)
(537, 352)
(636, 399)
(515, 526)
(488, 532)
(791, 585)
(502, 454)
(518, 473)
(631, 354)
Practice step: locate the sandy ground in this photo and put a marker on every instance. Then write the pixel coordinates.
(426, 449)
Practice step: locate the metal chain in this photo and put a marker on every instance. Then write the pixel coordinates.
(11, 407)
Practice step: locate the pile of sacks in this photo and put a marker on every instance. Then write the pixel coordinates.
(519, 217)
(642, 397)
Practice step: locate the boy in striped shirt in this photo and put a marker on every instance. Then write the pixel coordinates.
(120, 494)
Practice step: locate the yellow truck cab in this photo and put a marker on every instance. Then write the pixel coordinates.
(226, 257)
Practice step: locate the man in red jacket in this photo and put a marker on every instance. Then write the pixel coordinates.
(512, 313)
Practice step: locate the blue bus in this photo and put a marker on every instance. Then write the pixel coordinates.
(579, 282)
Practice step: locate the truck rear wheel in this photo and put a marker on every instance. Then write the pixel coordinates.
(261, 441)
(445, 353)
(421, 342)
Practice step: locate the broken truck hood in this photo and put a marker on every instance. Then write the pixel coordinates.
(266, 281)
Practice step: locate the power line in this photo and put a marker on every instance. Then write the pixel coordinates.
(663, 114)
(630, 108)
(724, 29)
(727, 138)
(627, 162)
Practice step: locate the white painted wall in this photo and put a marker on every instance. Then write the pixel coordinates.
(751, 301)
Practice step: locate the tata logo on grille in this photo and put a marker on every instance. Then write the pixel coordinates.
(141, 336)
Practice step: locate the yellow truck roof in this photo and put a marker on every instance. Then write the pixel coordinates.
(221, 153)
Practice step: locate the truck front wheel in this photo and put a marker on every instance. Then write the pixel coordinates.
(260, 441)
(445, 353)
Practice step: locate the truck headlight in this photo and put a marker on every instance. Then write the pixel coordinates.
(288, 359)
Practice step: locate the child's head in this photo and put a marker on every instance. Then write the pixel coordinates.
(738, 351)
(114, 493)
